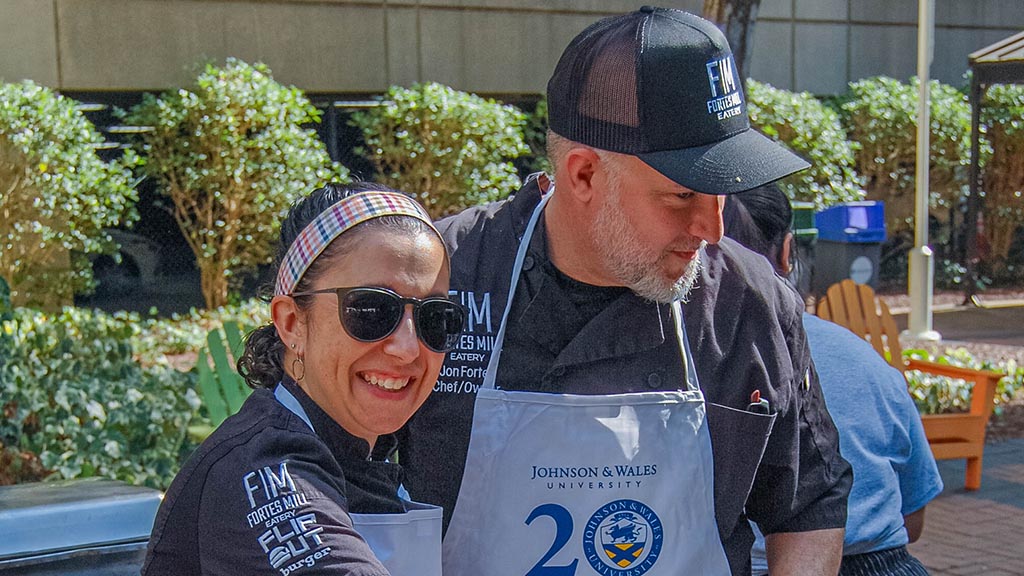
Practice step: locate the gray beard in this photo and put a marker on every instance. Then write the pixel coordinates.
(634, 266)
(657, 289)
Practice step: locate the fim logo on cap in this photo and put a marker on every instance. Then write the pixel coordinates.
(726, 97)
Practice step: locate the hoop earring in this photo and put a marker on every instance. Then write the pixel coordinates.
(298, 376)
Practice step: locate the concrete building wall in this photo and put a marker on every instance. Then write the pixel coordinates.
(28, 42)
(821, 45)
(489, 46)
(501, 47)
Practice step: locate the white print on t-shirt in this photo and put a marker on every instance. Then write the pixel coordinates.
(478, 306)
(466, 365)
(268, 482)
(277, 511)
(307, 562)
(291, 540)
(275, 502)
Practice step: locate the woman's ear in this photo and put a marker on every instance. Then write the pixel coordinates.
(289, 321)
(785, 263)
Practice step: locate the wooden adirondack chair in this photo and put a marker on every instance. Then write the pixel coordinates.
(951, 436)
(223, 389)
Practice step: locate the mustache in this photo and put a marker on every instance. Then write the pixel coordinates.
(688, 247)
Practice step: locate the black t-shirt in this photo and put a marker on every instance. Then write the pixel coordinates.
(533, 346)
(264, 494)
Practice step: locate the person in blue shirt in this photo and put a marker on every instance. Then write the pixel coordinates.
(880, 431)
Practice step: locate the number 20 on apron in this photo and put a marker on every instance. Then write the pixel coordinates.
(566, 485)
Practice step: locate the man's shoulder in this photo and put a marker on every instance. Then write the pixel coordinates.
(740, 306)
(474, 223)
(731, 271)
(836, 348)
(456, 227)
(831, 334)
(830, 340)
(482, 239)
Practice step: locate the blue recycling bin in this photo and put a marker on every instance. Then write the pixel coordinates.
(850, 237)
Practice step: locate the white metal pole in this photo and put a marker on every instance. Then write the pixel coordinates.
(922, 266)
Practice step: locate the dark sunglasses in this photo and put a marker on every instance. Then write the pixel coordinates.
(372, 314)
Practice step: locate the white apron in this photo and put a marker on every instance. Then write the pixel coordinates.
(565, 485)
(406, 544)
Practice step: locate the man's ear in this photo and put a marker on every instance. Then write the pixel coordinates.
(577, 174)
(289, 321)
(785, 255)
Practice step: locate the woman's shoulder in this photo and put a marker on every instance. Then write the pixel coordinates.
(262, 459)
(258, 468)
(267, 494)
(262, 436)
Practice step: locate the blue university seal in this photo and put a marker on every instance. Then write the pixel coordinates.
(623, 537)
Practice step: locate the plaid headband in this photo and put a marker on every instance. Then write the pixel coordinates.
(332, 222)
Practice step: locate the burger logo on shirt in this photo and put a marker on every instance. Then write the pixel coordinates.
(623, 537)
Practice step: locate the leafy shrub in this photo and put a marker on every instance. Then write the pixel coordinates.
(73, 395)
(56, 195)
(449, 149)
(536, 137)
(950, 275)
(5, 303)
(812, 130)
(232, 154)
(186, 333)
(1002, 115)
(938, 394)
(881, 117)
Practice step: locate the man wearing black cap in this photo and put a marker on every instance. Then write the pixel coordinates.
(569, 426)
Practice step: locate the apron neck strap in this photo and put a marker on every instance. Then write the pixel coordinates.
(517, 269)
(676, 309)
(289, 401)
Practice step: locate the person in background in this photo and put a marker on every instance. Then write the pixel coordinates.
(569, 431)
(299, 480)
(880, 431)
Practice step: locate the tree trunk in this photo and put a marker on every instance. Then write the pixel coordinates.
(736, 18)
(214, 283)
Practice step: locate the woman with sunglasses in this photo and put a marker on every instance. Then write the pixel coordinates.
(299, 480)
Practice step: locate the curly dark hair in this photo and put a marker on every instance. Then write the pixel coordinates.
(262, 362)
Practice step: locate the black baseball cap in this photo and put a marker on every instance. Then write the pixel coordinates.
(662, 85)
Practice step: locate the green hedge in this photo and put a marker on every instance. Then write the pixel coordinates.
(232, 152)
(57, 196)
(449, 149)
(74, 395)
(880, 114)
(812, 130)
(186, 333)
(938, 394)
(1003, 118)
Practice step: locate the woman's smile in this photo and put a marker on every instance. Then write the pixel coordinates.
(393, 383)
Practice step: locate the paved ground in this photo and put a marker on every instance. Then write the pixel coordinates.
(978, 533)
(982, 532)
(1001, 324)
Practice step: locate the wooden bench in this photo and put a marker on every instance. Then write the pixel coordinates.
(222, 389)
(951, 436)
